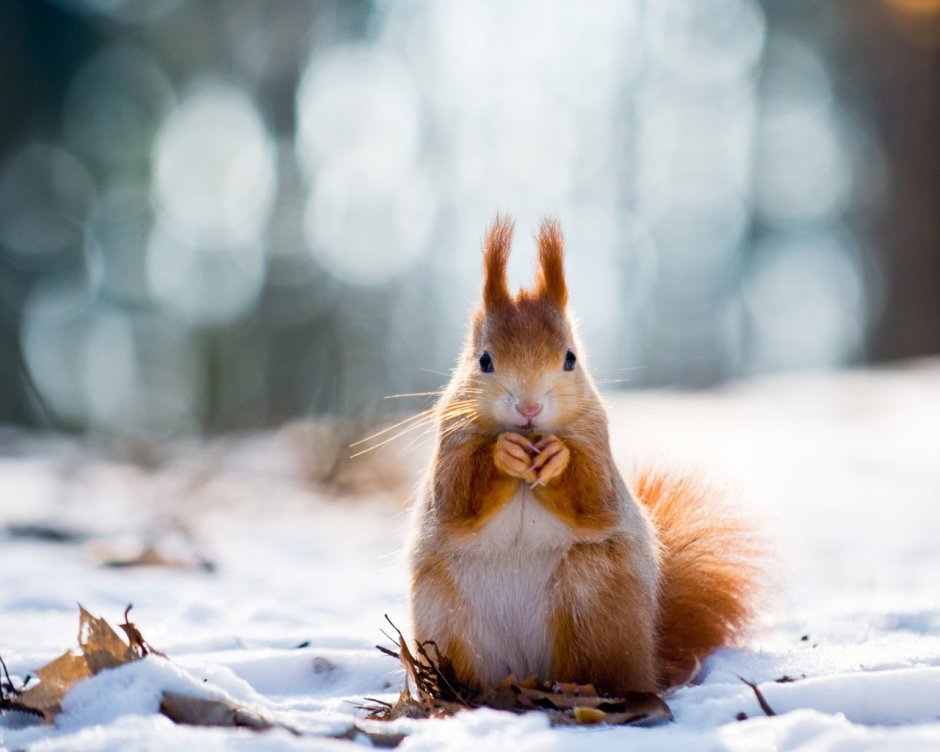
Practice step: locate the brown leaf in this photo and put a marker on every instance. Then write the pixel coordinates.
(562, 700)
(380, 739)
(589, 715)
(636, 709)
(151, 556)
(197, 711)
(440, 693)
(570, 688)
(646, 717)
(137, 642)
(101, 648)
(55, 679)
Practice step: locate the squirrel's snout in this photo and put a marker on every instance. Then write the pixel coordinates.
(529, 408)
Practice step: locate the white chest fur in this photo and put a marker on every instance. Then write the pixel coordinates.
(505, 578)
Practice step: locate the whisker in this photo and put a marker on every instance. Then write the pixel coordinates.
(414, 394)
(414, 442)
(617, 370)
(423, 413)
(392, 438)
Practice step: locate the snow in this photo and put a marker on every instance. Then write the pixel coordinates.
(843, 469)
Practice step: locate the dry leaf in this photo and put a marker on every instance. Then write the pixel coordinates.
(440, 693)
(589, 715)
(381, 739)
(101, 645)
(151, 556)
(135, 638)
(56, 678)
(101, 648)
(197, 711)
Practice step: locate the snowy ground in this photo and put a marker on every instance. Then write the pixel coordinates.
(844, 470)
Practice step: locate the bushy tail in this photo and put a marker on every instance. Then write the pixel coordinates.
(711, 569)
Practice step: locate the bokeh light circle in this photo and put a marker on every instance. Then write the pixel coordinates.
(45, 196)
(55, 318)
(215, 167)
(201, 283)
(806, 297)
(114, 105)
(357, 105)
(707, 41)
(116, 238)
(366, 233)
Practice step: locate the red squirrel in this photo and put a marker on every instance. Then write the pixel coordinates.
(529, 554)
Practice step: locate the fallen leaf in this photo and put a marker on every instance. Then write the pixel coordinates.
(383, 739)
(198, 711)
(438, 692)
(101, 648)
(135, 638)
(589, 715)
(149, 555)
(55, 679)
(101, 645)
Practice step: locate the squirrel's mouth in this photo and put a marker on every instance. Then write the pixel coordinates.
(528, 426)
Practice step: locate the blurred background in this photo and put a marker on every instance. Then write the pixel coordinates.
(225, 214)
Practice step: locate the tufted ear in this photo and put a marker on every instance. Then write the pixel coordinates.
(495, 257)
(550, 276)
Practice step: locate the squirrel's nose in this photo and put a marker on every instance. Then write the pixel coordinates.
(528, 408)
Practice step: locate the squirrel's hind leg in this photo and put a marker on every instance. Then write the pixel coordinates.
(604, 621)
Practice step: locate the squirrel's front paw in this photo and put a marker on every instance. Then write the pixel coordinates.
(512, 455)
(550, 462)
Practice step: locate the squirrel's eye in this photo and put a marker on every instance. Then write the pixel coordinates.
(486, 363)
(570, 360)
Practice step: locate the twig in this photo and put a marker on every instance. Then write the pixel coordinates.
(761, 700)
(435, 665)
(7, 675)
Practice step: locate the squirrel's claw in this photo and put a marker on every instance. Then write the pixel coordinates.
(511, 457)
(551, 460)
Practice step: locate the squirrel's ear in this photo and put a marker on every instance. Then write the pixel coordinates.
(495, 257)
(550, 277)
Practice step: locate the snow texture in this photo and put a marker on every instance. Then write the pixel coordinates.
(842, 469)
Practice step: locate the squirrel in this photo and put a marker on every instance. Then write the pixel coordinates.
(529, 555)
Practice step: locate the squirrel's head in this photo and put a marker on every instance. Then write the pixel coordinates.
(522, 366)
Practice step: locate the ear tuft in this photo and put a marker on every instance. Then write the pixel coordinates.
(550, 277)
(495, 258)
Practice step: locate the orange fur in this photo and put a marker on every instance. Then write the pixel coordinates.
(550, 277)
(585, 495)
(467, 477)
(432, 581)
(604, 623)
(495, 259)
(709, 567)
(529, 554)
